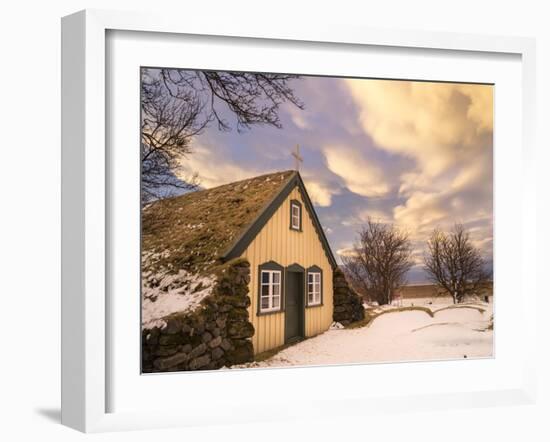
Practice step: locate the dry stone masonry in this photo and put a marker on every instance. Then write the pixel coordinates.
(216, 334)
(348, 305)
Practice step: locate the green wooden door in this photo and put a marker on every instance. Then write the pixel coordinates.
(294, 306)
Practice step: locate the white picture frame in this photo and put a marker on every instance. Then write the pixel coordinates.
(86, 210)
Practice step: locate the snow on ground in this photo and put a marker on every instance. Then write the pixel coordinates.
(171, 293)
(453, 333)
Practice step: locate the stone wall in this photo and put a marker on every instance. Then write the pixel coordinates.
(216, 334)
(348, 305)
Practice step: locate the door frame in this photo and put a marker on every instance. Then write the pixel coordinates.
(296, 268)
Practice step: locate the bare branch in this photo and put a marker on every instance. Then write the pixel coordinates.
(177, 105)
(381, 260)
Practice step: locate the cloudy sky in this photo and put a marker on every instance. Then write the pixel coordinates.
(416, 154)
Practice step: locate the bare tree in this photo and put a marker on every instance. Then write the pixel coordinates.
(167, 125)
(380, 262)
(454, 264)
(177, 105)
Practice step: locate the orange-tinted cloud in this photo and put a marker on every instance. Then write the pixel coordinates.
(434, 123)
(360, 175)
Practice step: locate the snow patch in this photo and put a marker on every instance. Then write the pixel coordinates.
(195, 226)
(165, 294)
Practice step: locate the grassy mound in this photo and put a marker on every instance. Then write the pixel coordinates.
(450, 307)
(370, 316)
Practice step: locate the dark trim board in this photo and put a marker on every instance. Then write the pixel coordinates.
(316, 222)
(248, 235)
(295, 268)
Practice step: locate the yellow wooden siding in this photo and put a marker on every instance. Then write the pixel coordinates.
(276, 242)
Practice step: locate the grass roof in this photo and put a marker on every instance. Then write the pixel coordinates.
(192, 231)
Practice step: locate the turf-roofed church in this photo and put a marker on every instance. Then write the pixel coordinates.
(192, 244)
(291, 266)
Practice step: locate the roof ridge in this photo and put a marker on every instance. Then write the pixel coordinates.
(231, 183)
(265, 175)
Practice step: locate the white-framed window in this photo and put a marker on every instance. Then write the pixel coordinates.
(314, 288)
(295, 216)
(270, 291)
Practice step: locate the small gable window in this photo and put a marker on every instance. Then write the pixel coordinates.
(296, 215)
(271, 287)
(314, 286)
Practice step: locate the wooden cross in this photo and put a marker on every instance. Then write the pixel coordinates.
(297, 157)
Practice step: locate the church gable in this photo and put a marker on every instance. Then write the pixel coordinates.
(301, 206)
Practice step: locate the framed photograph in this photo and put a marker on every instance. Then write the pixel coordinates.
(293, 216)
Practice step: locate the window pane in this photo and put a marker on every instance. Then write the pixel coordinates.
(310, 298)
(265, 290)
(276, 302)
(295, 216)
(276, 289)
(317, 288)
(265, 277)
(276, 277)
(265, 303)
(314, 277)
